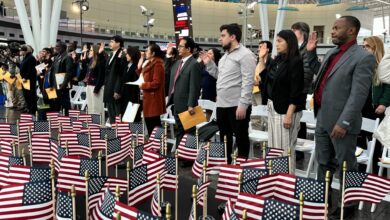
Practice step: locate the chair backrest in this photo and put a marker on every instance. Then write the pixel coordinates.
(74, 92)
(206, 104)
(370, 125)
(308, 117)
(259, 110)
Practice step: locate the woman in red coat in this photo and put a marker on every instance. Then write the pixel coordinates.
(153, 86)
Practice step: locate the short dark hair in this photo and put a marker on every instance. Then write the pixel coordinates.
(232, 29)
(292, 43)
(190, 43)
(48, 50)
(268, 43)
(154, 48)
(302, 27)
(118, 39)
(62, 45)
(353, 21)
(134, 53)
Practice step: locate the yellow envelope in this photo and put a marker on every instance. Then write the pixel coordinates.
(51, 93)
(188, 121)
(1, 75)
(18, 85)
(26, 85)
(19, 78)
(7, 77)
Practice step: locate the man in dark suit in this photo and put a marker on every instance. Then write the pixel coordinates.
(28, 72)
(62, 63)
(113, 78)
(184, 86)
(341, 87)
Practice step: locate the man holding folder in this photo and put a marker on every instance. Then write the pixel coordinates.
(29, 78)
(184, 86)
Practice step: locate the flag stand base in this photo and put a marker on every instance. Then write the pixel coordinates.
(207, 217)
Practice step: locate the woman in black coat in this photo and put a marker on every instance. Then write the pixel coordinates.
(131, 93)
(284, 89)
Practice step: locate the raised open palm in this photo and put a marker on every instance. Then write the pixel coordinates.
(312, 41)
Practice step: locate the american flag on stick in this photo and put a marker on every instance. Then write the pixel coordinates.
(229, 213)
(23, 174)
(156, 138)
(9, 132)
(5, 162)
(56, 153)
(131, 213)
(52, 117)
(118, 149)
(78, 144)
(188, 147)
(6, 147)
(40, 147)
(64, 206)
(105, 206)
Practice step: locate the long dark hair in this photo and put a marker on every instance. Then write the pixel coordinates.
(217, 55)
(292, 43)
(134, 53)
(154, 48)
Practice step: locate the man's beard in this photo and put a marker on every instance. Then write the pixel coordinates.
(227, 46)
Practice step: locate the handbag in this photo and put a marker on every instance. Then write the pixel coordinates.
(382, 133)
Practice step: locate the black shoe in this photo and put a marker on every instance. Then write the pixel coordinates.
(186, 163)
(349, 213)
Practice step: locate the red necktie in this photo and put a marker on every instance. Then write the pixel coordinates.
(176, 75)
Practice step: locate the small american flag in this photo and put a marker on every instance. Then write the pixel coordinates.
(40, 147)
(41, 128)
(78, 144)
(131, 213)
(65, 124)
(156, 138)
(64, 206)
(365, 187)
(254, 163)
(53, 118)
(24, 174)
(286, 187)
(74, 113)
(253, 204)
(9, 132)
(228, 184)
(138, 155)
(105, 206)
(57, 153)
(149, 156)
(118, 149)
(143, 181)
(250, 179)
(79, 126)
(97, 186)
(31, 200)
(72, 172)
(187, 147)
(273, 152)
(155, 204)
(229, 213)
(6, 147)
(137, 127)
(98, 136)
(201, 190)
(217, 155)
(279, 164)
(169, 181)
(197, 167)
(23, 131)
(5, 162)
(274, 209)
(110, 133)
(86, 118)
(26, 117)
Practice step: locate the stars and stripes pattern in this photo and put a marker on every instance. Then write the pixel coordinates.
(131, 213)
(187, 148)
(197, 167)
(78, 144)
(6, 147)
(137, 127)
(217, 154)
(138, 153)
(65, 124)
(31, 200)
(273, 152)
(52, 117)
(143, 181)
(250, 179)
(229, 213)
(274, 209)
(156, 138)
(365, 187)
(79, 126)
(24, 174)
(149, 156)
(286, 188)
(228, 184)
(64, 206)
(279, 164)
(24, 127)
(41, 128)
(201, 191)
(253, 163)
(169, 181)
(118, 149)
(72, 172)
(98, 136)
(74, 113)
(155, 203)
(5, 162)
(105, 207)
(26, 117)
(253, 204)
(40, 147)
(9, 131)
(56, 153)
(97, 186)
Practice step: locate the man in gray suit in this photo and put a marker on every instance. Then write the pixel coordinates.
(184, 86)
(341, 88)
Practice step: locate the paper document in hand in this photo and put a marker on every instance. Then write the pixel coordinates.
(7, 77)
(131, 112)
(51, 93)
(26, 85)
(138, 82)
(188, 121)
(60, 77)
(40, 67)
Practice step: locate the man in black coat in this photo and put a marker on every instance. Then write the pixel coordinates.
(28, 72)
(184, 86)
(113, 78)
(63, 63)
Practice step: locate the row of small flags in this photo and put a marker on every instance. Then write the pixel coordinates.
(264, 183)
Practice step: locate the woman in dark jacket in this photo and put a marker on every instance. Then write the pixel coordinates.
(131, 93)
(94, 66)
(209, 83)
(284, 89)
(153, 87)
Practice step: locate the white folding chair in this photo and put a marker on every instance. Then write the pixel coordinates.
(257, 135)
(81, 98)
(74, 94)
(306, 146)
(170, 120)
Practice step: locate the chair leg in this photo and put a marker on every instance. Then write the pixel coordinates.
(251, 153)
(310, 164)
